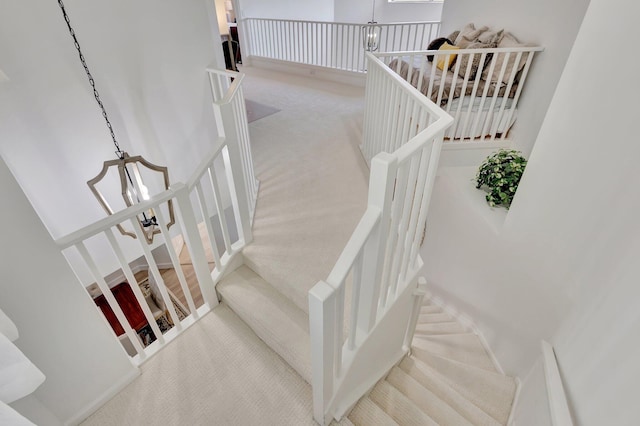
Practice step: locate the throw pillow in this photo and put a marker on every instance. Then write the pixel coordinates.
(464, 59)
(435, 45)
(468, 35)
(511, 69)
(489, 37)
(445, 61)
(453, 36)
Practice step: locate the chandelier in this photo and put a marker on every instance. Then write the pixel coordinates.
(371, 32)
(132, 186)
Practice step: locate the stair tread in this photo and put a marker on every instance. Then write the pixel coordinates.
(430, 309)
(465, 348)
(490, 391)
(440, 328)
(435, 407)
(398, 406)
(440, 386)
(368, 413)
(275, 319)
(343, 422)
(435, 317)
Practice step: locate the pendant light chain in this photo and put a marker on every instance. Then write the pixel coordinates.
(96, 95)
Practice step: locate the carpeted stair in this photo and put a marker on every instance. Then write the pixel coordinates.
(312, 194)
(433, 386)
(448, 379)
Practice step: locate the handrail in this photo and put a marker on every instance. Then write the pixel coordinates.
(206, 163)
(460, 51)
(332, 45)
(202, 220)
(354, 246)
(122, 215)
(483, 111)
(389, 24)
(117, 218)
(235, 85)
(558, 404)
(381, 255)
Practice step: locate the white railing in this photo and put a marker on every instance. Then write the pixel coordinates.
(231, 116)
(378, 269)
(480, 89)
(336, 45)
(223, 181)
(557, 397)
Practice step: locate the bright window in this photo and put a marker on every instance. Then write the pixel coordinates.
(415, 1)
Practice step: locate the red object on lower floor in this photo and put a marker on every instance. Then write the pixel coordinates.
(129, 305)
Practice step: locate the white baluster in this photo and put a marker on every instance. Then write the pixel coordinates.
(155, 272)
(322, 312)
(128, 273)
(108, 295)
(194, 245)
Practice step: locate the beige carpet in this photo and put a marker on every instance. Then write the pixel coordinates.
(313, 179)
(313, 192)
(218, 372)
(256, 110)
(312, 174)
(449, 379)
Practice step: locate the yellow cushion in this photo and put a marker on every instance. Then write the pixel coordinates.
(445, 61)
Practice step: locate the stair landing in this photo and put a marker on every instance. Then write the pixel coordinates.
(313, 179)
(312, 195)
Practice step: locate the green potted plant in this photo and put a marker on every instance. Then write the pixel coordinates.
(500, 175)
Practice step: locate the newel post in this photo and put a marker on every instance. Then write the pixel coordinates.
(381, 187)
(322, 333)
(418, 297)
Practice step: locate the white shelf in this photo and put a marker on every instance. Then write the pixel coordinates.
(461, 181)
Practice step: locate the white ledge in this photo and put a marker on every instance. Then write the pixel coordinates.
(462, 181)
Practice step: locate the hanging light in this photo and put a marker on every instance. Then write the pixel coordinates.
(371, 32)
(132, 187)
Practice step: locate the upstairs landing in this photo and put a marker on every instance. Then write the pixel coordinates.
(313, 179)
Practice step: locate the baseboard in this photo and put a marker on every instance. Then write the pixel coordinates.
(103, 399)
(469, 153)
(558, 404)
(468, 323)
(516, 399)
(321, 73)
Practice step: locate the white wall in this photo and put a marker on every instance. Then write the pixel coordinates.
(309, 10)
(339, 10)
(564, 266)
(148, 59)
(360, 11)
(548, 23)
(587, 173)
(61, 330)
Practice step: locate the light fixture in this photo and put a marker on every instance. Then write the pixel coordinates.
(371, 32)
(132, 187)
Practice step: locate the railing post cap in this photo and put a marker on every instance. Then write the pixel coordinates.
(384, 158)
(321, 291)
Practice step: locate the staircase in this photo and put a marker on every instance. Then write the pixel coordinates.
(305, 214)
(447, 380)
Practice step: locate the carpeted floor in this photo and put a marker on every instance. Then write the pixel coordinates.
(313, 178)
(256, 110)
(216, 373)
(219, 371)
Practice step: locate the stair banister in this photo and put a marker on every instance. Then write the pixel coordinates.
(381, 185)
(232, 150)
(382, 254)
